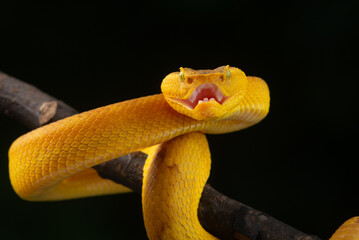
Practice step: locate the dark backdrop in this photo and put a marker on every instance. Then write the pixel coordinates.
(298, 165)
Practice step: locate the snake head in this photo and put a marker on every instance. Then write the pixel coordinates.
(205, 94)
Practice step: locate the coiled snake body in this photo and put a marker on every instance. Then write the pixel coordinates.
(54, 162)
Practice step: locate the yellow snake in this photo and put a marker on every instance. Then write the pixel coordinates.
(54, 162)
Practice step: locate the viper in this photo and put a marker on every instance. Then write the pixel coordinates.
(54, 162)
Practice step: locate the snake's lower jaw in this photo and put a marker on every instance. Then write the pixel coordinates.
(208, 111)
(205, 110)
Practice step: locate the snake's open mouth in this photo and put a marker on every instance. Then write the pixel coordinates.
(205, 92)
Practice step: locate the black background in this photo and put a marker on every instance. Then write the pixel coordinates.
(298, 165)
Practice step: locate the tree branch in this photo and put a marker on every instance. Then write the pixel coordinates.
(28, 105)
(218, 214)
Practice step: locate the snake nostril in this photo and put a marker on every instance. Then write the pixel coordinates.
(221, 78)
(189, 80)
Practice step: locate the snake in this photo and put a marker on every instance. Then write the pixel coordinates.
(54, 162)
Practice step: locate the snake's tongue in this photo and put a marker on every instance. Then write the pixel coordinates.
(205, 92)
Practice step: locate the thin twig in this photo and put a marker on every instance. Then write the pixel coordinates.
(220, 215)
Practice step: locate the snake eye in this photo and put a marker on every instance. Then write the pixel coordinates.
(181, 77)
(228, 74)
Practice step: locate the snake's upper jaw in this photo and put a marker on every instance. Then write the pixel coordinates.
(204, 93)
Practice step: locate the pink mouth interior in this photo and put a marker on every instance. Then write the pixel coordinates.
(204, 93)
